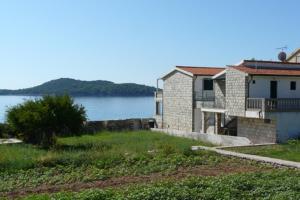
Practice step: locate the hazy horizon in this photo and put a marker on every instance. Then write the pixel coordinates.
(73, 79)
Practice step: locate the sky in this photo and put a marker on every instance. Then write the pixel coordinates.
(137, 40)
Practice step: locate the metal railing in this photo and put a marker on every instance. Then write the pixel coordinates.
(273, 105)
(204, 95)
(218, 102)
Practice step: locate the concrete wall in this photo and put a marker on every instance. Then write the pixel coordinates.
(197, 120)
(261, 87)
(236, 92)
(258, 131)
(178, 102)
(288, 126)
(222, 140)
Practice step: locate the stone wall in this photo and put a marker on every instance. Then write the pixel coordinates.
(178, 102)
(118, 125)
(220, 93)
(236, 92)
(258, 131)
(158, 121)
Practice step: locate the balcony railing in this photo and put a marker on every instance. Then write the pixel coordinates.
(273, 105)
(218, 103)
(204, 96)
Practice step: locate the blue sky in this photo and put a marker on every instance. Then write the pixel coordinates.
(136, 40)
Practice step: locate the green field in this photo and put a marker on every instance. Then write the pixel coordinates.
(288, 151)
(268, 185)
(134, 165)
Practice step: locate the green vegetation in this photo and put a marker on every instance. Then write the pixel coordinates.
(288, 151)
(97, 157)
(267, 185)
(84, 88)
(105, 156)
(40, 121)
(136, 165)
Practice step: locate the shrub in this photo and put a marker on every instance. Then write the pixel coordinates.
(39, 121)
(6, 131)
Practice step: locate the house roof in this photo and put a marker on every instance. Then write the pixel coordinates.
(205, 71)
(293, 54)
(269, 62)
(268, 71)
(195, 71)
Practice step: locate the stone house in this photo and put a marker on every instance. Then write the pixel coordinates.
(185, 91)
(259, 100)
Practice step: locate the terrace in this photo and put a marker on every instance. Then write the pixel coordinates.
(273, 105)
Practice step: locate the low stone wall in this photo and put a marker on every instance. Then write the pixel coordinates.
(222, 140)
(259, 131)
(119, 125)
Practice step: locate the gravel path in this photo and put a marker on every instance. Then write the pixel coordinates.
(273, 161)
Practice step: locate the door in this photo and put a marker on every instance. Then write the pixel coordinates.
(273, 89)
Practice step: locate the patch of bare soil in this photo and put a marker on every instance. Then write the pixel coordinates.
(123, 181)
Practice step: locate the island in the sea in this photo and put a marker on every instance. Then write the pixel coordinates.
(84, 88)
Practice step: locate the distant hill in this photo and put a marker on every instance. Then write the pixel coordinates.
(84, 88)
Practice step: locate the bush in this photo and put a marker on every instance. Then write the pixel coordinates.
(6, 131)
(39, 121)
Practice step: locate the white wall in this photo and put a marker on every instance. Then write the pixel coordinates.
(261, 88)
(199, 83)
(287, 125)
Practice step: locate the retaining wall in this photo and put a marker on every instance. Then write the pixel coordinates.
(222, 140)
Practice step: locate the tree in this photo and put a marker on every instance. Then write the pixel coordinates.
(39, 121)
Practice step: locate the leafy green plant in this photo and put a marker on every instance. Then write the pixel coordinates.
(267, 185)
(39, 121)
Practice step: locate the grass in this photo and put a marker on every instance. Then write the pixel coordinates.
(97, 157)
(288, 151)
(87, 149)
(110, 156)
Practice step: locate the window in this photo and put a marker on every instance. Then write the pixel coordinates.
(208, 84)
(293, 85)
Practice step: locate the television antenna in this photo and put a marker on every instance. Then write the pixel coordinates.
(282, 48)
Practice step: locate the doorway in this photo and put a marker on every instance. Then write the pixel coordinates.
(273, 89)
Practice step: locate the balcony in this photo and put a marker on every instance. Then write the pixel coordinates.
(206, 95)
(273, 105)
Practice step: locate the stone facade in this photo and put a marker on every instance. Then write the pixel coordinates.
(258, 131)
(236, 92)
(178, 102)
(220, 93)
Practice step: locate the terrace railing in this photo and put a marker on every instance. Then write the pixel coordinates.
(273, 105)
(204, 96)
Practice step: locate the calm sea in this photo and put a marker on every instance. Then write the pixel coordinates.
(98, 108)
